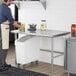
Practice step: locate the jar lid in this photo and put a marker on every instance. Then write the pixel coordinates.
(43, 20)
(73, 24)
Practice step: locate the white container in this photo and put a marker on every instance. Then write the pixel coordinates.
(27, 49)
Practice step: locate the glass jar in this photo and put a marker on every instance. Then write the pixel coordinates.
(22, 29)
(73, 30)
(43, 25)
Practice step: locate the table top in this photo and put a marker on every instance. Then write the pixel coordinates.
(46, 33)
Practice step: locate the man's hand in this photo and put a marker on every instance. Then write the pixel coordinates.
(19, 25)
(16, 24)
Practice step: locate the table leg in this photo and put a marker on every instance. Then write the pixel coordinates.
(68, 74)
(15, 52)
(15, 36)
(52, 67)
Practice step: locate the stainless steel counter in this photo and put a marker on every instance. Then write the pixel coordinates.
(48, 33)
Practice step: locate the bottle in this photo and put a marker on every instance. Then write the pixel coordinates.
(43, 25)
(73, 30)
(22, 29)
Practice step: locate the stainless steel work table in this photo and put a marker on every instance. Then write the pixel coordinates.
(48, 33)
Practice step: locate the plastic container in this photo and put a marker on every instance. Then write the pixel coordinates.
(73, 30)
(27, 49)
(43, 25)
(22, 29)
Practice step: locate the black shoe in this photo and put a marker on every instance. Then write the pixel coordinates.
(6, 65)
(3, 68)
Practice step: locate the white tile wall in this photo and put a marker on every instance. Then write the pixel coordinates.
(31, 12)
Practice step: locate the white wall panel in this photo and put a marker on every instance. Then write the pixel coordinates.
(31, 12)
(61, 14)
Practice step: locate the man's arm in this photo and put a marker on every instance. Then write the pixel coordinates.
(11, 20)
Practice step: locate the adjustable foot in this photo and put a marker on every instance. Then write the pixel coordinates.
(18, 65)
(36, 62)
(68, 74)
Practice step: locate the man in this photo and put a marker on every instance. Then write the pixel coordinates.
(5, 16)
